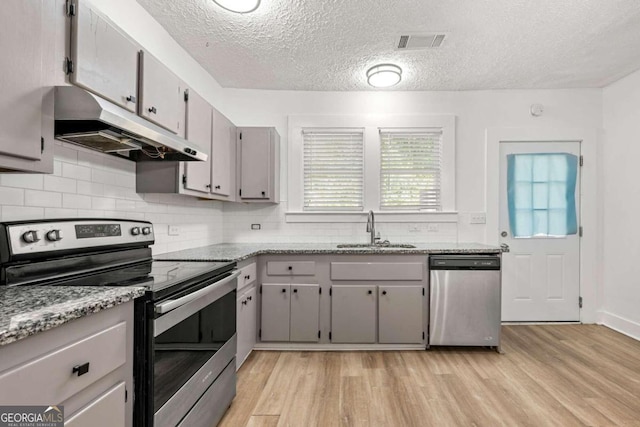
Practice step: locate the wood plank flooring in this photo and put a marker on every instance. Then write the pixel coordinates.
(556, 375)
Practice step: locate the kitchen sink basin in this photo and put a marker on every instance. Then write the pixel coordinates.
(378, 245)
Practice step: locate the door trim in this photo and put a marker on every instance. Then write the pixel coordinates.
(590, 211)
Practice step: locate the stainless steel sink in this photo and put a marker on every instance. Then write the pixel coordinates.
(378, 245)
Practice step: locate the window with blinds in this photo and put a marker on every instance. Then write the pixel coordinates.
(410, 169)
(333, 169)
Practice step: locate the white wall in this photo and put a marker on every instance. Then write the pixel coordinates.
(621, 269)
(88, 184)
(475, 111)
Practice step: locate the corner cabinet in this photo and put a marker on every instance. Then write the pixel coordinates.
(258, 164)
(26, 123)
(213, 179)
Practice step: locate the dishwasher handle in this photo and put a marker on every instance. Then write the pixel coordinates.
(461, 262)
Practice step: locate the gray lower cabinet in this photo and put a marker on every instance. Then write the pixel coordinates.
(400, 314)
(85, 365)
(353, 314)
(246, 325)
(290, 312)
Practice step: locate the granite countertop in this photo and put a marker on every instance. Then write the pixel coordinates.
(242, 251)
(28, 310)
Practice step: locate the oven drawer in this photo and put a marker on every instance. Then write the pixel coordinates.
(291, 268)
(107, 410)
(247, 275)
(66, 371)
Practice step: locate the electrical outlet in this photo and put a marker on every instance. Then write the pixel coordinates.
(433, 228)
(414, 228)
(256, 226)
(174, 230)
(478, 218)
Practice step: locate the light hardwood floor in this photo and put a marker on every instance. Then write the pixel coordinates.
(556, 375)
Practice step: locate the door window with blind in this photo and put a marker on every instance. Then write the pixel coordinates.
(410, 169)
(333, 169)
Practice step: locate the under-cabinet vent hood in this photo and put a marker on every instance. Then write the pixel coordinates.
(86, 119)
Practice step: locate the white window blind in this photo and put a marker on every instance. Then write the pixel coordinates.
(333, 169)
(410, 169)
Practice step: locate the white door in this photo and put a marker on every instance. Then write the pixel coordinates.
(539, 220)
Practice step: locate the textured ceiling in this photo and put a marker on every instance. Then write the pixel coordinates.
(329, 44)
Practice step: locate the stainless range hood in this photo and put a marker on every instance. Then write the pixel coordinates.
(86, 119)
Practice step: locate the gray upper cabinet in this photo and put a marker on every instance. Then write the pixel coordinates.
(26, 107)
(105, 61)
(258, 164)
(223, 156)
(353, 314)
(400, 314)
(198, 130)
(161, 95)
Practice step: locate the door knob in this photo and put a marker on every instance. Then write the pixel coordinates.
(504, 234)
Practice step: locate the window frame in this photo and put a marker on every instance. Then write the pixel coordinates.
(371, 125)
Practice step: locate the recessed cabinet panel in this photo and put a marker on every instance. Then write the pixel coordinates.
(400, 314)
(291, 268)
(161, 94)
(22, 48)
(222, 160)
(353, 314)
(275, 312)
(198, 130)
(107, 410)
(305, 313)
(105, 61)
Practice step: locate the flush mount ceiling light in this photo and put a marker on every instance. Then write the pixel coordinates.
(384, 75)
(238, 6)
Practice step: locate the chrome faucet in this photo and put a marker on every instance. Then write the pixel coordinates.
(371, 227)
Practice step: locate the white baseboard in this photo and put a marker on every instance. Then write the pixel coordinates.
(336, 347)
(620, 324)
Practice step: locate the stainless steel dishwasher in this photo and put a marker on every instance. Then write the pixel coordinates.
(465, 296)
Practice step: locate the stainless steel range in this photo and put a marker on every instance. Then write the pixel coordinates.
(185, 330)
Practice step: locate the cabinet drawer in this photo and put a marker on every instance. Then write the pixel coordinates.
(106, 411)
(377, 271)
(247, 275)
(50, 378)
(292, 268)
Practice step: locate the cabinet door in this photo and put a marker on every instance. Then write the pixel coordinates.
(198, 131)
(106, 411)
(305, 313)
(255, 162)
(353, 314)
(161, 93)
(105, 61)
(275, 312)
(222, 164)
(400, 314)
(251, 321)
(22, 46)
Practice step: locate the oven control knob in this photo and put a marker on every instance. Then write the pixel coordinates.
(31, 236)
(135, 231)
(54, 235)
(146, 230)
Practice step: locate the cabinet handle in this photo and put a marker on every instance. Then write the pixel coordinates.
(153, 110)
(131, 98)
(290, 268)
(284, 291)
(384, 292)
(369, 292)
(295, 291)
(244, 302)
(207, 186)
(217, 187)
(263, 193)
(81, 369)
(249, 298)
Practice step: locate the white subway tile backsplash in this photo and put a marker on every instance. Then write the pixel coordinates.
(60, 213)
(125, 205)
(103, 203)
(90, 188)
(77, 201)
(59, 184)
(42, 199)
(76, 172)
(22, 180)
(11, 196)
(66, 154)
(18, 213)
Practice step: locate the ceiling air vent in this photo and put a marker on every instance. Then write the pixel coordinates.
(420, 41)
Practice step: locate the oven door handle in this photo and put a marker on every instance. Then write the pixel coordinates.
(175, 303)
